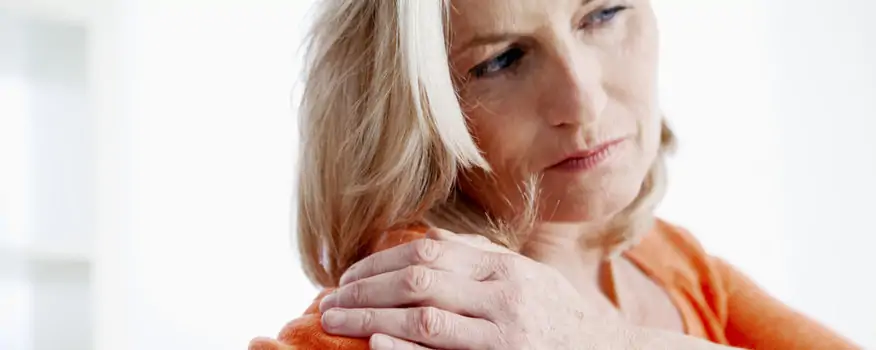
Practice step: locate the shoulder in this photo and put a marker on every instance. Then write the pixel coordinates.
(676, 238)
(671, 247)
(674, 258)
(306, 333)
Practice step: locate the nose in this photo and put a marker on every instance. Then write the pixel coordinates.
(573, 94)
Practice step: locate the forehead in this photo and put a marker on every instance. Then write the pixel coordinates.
(494, 15)
(480, 23)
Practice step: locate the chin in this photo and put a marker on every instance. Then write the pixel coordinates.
(590, 202)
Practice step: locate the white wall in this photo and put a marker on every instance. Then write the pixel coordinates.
(213, 146)
(46, 186)
(79, 11)
(826, 98)
(718, 96)
(774, 105)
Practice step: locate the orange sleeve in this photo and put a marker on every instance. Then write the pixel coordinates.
(305, 333)
(756, 320)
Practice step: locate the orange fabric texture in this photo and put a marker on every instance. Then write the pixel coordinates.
(715, 301)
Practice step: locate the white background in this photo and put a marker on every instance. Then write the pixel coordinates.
(195, 140)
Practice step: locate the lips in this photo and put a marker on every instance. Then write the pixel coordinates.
(587, 159)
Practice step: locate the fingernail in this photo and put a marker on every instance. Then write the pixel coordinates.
(350, 274)
(328, 301)
(381, 342)
(346, 276)
(334, 318)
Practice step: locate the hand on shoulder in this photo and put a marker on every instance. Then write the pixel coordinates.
(457, 291)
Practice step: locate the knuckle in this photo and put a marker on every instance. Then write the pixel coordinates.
(367, 320)
(416, 279)
(356, 294)
(425, 250)
(430, 323)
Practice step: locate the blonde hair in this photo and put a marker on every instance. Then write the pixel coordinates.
(384, 137)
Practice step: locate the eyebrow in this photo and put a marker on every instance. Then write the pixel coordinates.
(486, 39)
(492, 38)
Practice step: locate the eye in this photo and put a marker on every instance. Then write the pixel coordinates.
(495, 65)
(601, 17)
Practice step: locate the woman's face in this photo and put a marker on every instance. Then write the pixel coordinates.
(562, 89)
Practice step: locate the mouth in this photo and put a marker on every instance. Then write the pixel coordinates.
(588, 159)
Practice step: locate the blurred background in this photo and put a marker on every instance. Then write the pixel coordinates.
(147, 158)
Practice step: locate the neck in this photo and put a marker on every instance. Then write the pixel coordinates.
(584, 241)
(570, 249)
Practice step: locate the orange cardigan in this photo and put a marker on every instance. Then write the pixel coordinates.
(716, 302)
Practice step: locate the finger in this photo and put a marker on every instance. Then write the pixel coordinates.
(440, 255)
(475, 240)
(385, 342)
(415, 285)
(424, 325)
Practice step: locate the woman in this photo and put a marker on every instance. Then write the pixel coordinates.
(534, 127)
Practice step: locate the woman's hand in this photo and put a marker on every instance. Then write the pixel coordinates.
(454, 292)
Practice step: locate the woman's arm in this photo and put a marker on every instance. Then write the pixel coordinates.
(756, 320)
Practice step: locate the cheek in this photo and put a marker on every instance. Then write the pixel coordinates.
(508, 141)
(633, 83)
(503, 131)
(649, 142)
